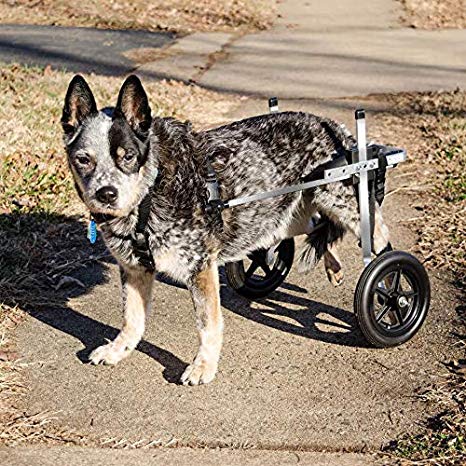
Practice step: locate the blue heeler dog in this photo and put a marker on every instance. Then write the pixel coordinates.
(122, 157)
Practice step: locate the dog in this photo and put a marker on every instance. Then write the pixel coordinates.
(121, 159)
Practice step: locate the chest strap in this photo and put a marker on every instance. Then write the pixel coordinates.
(140, 238)
(214, 203)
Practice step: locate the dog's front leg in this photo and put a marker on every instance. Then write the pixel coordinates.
(204, 288)
(137, 292)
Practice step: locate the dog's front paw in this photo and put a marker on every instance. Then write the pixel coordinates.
(108, 354)
(199, 373)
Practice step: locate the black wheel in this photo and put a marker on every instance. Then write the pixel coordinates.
(263, 271)
(392, 299)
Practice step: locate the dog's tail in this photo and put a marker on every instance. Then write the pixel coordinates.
(326, 232)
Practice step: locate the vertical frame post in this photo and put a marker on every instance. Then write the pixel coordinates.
(363, 188)
(273, 105)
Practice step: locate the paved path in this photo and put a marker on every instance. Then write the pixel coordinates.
(76, 49)
(47, 456)
(331, 48)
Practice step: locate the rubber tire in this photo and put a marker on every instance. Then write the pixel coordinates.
(235, 274)
(370, 277)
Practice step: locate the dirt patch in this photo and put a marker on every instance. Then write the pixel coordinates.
(148, 55)
(434, 14)
(181, 16)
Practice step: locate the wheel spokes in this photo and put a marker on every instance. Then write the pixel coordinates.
(252, 268)
(382, 293)
(265, 268)
(396, 282)
(382, 313)
(399, 316)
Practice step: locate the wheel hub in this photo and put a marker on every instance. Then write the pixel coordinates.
(402, 302)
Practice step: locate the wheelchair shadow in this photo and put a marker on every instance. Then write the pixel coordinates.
(297, 315)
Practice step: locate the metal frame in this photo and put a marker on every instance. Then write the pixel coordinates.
(363, 189)
(359, 169)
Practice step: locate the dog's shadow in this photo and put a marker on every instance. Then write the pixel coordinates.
(45, 261)
(92, 333)
(65, 236)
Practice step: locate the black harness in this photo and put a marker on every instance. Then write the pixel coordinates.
(140, 238)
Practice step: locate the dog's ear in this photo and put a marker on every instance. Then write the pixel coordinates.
(133, 105)
(79, 104)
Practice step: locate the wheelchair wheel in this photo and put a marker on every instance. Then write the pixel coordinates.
(263, 271)
(392, 299)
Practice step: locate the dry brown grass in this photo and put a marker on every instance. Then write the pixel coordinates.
(434, 14)
(183, 16)
(432, 126)
(33, 170)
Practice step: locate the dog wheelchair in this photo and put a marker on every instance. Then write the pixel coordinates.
(392, 295)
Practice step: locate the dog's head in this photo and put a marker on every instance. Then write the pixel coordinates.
(108, 149)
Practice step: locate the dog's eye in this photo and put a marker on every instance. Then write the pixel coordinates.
(83, 160)
(126, 155)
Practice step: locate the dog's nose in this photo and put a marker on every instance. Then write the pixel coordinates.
(107, 195)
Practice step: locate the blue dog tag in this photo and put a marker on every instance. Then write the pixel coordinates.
(92, 231)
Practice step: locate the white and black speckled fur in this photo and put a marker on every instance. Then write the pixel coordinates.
(254, 155)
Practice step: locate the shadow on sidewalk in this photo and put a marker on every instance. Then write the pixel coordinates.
(278, 311)
(46, 260)
(76, 49)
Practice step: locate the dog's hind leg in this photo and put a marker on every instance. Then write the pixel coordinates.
(332, 265)
(137, 292)
(338, 202)
(204, 287)
(322, 242)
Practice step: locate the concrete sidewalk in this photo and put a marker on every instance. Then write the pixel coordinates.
(77, 456)
(326, 49)
(83, 50)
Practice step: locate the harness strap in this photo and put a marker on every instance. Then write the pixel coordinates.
(140, 238)
(214, 202)
(379, 182)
